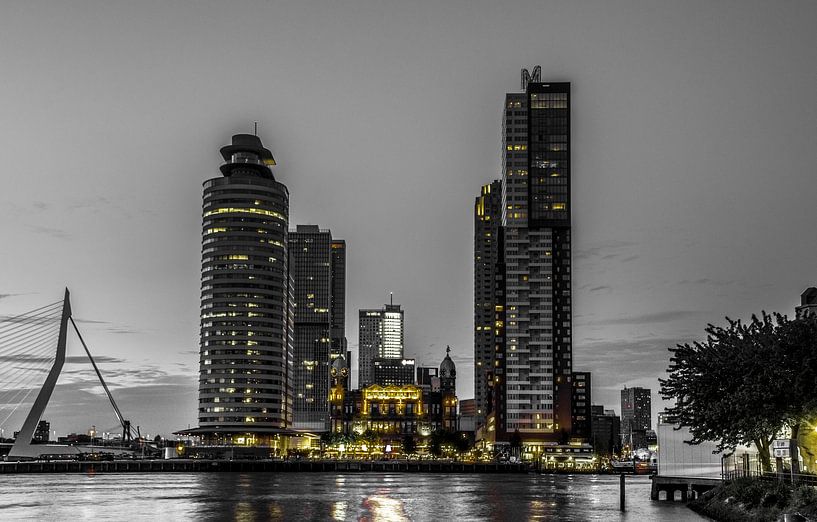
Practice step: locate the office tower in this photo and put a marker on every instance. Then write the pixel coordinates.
(605, 431)
(636, 416)
(246, 343)
(380, 337)
(487, 229)
(393, 372)
(316, 263)
(581, 404)
(338, 303)
(536, 225)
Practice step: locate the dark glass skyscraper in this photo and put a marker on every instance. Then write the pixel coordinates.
(487, 229)
(636, 416)
(246, 343)
(317, 266)
(528, 387)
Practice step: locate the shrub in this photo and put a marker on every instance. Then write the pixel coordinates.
(748, 491)
(777, 494)
(804, 495)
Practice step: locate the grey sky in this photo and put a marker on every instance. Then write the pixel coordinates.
(694, 139)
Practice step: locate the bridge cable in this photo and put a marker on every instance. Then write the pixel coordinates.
(119, 415)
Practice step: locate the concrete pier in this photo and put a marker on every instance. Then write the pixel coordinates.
(689, 488)
(203, 465)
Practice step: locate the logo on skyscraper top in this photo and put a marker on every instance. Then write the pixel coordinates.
(535, 77)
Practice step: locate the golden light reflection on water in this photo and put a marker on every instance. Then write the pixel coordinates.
(339, 510)
(381, 508)
(243, 512)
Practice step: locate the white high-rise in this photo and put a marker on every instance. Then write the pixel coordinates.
(381, 336)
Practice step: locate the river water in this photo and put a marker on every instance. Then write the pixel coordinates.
(329, 496)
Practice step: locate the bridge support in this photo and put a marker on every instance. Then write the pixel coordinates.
(23, 449)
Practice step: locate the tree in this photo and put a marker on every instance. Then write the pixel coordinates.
(435, 444)
(515, 442)
(745, 382)
(409, 445)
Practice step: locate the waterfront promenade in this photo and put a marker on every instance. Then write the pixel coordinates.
(205, 465)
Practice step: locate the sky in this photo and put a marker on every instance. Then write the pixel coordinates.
(694, 140)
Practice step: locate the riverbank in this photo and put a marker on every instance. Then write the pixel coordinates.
(757, 500)
(204, 465)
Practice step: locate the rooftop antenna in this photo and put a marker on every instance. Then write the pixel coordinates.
(391, 298)
(255, 128)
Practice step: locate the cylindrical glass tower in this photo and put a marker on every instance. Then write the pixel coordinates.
(246, 346)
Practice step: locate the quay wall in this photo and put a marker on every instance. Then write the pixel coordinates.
(203, 465)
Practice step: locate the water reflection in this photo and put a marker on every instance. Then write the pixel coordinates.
(319, 496)
(381, 508)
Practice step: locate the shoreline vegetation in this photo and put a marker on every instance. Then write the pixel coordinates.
(756, 499)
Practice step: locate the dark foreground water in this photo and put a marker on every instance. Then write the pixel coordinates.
(324, 496)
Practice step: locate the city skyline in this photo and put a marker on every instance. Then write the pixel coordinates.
(682, 203)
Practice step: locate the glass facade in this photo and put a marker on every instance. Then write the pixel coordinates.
(535, 319)
(319, 288)
(381, 336)
(245, 347)
(487, 230)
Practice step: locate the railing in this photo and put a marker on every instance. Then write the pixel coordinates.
(783, 476)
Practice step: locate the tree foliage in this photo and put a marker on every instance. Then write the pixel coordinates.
(745, 382)
(515, 442)
(442, 439)
(409, 445)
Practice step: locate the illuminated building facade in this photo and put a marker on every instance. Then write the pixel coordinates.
(448, 391)
(487, 243)
(246, 313)
(317, 267)
(394, 372)
(636, 416)
(381, 336)
(395, 411)
(339, 373)
(537, 351)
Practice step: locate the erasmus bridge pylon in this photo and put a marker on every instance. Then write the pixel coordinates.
(30, 336)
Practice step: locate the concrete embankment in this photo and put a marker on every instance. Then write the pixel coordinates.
(202, 465)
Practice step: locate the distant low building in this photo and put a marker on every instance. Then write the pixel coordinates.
(468, 415)
(43, 432)
(808, 302)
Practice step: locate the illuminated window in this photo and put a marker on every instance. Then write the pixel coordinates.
(232, 210)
